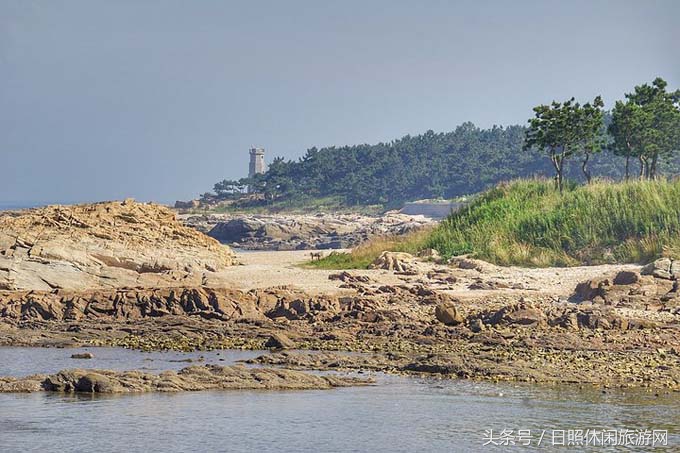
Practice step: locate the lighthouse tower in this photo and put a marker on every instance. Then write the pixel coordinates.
(256, 166)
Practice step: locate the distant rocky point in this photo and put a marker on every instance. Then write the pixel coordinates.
(108, 244)
(302, 232)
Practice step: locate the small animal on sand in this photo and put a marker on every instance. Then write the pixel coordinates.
(315, 255)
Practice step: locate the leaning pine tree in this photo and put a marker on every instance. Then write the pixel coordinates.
(647, 126)
(565, 129)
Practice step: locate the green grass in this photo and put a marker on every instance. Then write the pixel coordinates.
(528, 223)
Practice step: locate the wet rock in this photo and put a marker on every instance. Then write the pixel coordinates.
(94, 383)
(83, 355)
(448, 314)
(192, 378)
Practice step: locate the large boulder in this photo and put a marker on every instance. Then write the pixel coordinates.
(449, 314)
(238, 230)
(626, 278)
(395, 261)
(522, 314)
(664, 268)
(279, 341)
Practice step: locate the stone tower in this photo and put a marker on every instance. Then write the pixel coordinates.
(256, 162)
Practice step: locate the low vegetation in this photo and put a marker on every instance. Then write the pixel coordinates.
(529, 223)
(363, 255)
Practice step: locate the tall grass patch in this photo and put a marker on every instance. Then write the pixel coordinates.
(528, 223)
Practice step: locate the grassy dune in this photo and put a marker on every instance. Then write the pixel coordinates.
(528, 223)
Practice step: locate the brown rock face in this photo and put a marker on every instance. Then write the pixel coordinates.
(109, 244)
(223, 304)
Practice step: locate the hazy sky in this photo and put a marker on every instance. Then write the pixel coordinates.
(158, 100)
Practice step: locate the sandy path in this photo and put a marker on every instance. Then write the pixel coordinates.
(270, 268)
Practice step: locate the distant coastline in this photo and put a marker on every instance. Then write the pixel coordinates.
(14, 205)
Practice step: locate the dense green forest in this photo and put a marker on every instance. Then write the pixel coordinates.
(566, 141)
(430, 165)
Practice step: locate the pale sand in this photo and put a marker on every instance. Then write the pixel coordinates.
(286, 268)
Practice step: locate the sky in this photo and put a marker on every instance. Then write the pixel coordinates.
(158, 100)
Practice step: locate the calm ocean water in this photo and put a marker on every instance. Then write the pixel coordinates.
(398, 414)
(11, 205)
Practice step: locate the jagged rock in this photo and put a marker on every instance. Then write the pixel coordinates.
(191, 204)
(208, 303)
(109, 244)
(348, 277)
(279, 341)
(395, 261)
(300, 232)
(487, 285)
(465, 263)
(591, 289)
(476, 325)
(664, 268)
(520, 314)
(430, 255)
(448, 314)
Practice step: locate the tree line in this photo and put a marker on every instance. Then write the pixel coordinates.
(645, 126)
(567, 140)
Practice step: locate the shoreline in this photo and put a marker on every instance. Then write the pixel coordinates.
(389, 318)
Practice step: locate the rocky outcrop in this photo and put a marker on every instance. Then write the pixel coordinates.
(648, 289)
(395, 261)
(665, 268)
(128, 304)
(193, 378)
(109, 244)
(296, 232)
(279, 341)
